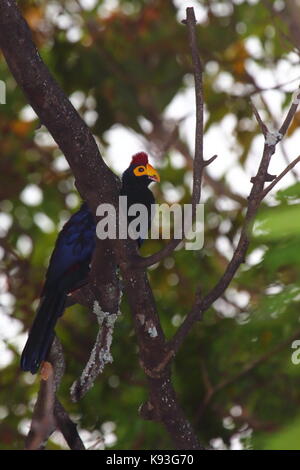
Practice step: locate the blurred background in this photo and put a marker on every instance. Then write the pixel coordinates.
(126, 67)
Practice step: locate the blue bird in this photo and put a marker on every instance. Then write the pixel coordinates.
(70, 261)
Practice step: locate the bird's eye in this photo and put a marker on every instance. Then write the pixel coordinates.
(139, 170)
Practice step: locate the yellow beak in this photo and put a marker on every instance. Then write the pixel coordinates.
(152, 173)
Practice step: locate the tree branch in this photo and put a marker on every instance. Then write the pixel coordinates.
(261, 124)
(48, 413)
(254, 200)
(279, 177)
(198, 163)
(67, 427)
(97, 184)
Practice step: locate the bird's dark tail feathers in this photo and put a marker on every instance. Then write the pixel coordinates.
(41, 334)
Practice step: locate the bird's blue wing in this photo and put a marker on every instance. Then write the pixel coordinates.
(74, 246)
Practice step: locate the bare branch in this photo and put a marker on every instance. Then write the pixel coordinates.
(261, 124)
(67, 427)
(97, 184)
(190, 21)
(198, 163)
(291, 112)
(254, 199)
(144, 262)
(210, 160)
(218, 186)
(279, 177)
(43, 422)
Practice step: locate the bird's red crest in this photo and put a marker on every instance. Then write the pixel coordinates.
(140, 158)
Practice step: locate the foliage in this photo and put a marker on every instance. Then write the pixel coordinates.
(234, 376)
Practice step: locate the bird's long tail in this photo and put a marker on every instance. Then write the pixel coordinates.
(42, 332)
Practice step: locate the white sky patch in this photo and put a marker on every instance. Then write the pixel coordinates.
(64, 20)
(92, 440)
(222, 9)
(241, 298)
(59, 439)
(24, 245)
(7, 300)
(53, 10)
(219, 138)
(24, 426)
(74, 34)
(90, 117)
(31, 195)
(44, 222)
(60, 163)
(228, 422)
(44, 139)
(72, 200)
(10, 328)
(3, 412)
(6, 221)
(200, 11)
(227, 310)
(27, 114)
(89, 4)
(177, 160)
(145, 124)
(120, 138)
(224, 246)
(223, 82)
(236, 411)
(237, 174)
(3, 282)
(256, 256)
(172, 194)
(106, 7)
(218, 443)
(236, 442)
(254, 47)
(182, 105)
(274, 289)
(77, 99)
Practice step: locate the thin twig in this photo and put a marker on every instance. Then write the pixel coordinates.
(279, 177)
(190, 22)
(67, 427)
(254, 200)
(291, 113)
(97, 184)
(199, 163)
(261, 124)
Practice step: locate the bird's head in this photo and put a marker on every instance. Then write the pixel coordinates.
(140, 172)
